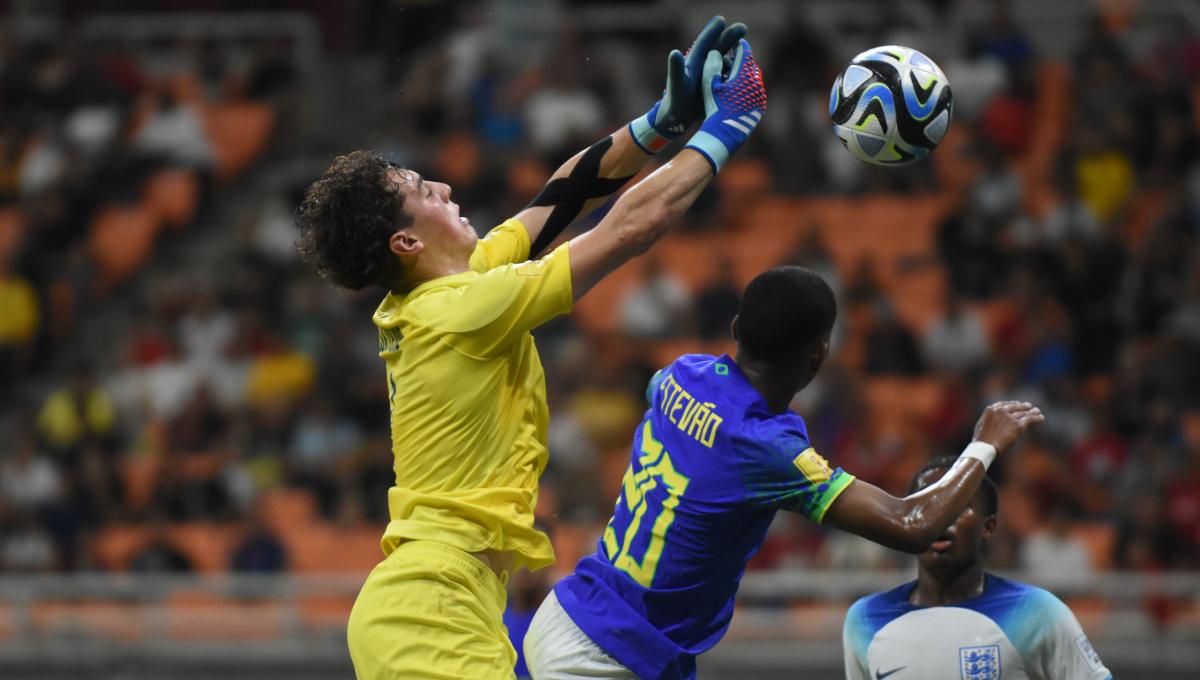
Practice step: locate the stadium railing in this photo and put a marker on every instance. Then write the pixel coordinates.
(786, 619)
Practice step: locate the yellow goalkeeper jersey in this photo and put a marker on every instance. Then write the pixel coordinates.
(468, 399)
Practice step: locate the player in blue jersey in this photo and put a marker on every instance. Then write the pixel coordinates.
(956, 622)
(717, 454)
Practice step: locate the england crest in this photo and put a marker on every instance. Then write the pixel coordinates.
(980, 663)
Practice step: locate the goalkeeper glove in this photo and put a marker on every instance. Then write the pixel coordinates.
(681, 104)
(733, 104)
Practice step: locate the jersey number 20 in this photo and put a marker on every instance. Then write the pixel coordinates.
(657, 471)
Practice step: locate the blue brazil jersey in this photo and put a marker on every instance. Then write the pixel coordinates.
(1012, 631)
(710, 465)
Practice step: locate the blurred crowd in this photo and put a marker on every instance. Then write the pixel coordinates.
(1069, 270)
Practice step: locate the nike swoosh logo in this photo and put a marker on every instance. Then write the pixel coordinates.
(881, 676)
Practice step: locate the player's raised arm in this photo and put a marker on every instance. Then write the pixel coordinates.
(914, 522)
(589, 177)
(733, 106)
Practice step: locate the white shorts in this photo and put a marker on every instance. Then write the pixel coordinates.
(555, 648)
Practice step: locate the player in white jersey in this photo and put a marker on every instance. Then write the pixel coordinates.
(956, 622)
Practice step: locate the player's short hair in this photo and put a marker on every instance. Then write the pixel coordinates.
(347, 218)
(991, 496)
(783, 311)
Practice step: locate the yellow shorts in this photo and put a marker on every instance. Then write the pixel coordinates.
(430, 611)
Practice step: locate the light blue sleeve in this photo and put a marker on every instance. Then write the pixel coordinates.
(1051, 641)
(856, 638)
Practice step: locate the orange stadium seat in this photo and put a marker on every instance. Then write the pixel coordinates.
(1092, 613)
(956, 167)
(1050, 110)
(207, 545)
(919, 296)
(172, 195)
(122, 238)
(115, 545)
(111, 620)
(599, 310)
(139, 477)
(186, 88)
(902, 404)
(1099, 538)
(12, 226)
(202, 615)
(8, 621)
(240, 132)
(1147, 209)
(742, 183)
(328, 548)
(284, 510)
(572, 541)
(325, 613)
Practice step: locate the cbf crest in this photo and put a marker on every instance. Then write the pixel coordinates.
(980, 663)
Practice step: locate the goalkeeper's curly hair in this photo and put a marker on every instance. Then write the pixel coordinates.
(346, 219)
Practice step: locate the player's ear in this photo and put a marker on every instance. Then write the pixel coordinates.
(404, 243)
(818, 357)
(989, 527)
(733, 327)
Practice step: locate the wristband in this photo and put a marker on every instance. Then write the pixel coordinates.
(981, 451)
(645, 135)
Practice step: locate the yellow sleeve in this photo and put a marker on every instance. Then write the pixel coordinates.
(506, 244)
(498, 308)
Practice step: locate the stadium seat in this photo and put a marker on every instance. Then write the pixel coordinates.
(1092, 613)
(139, 477)
(172, 195)
(186, 88)
(113, 621)
(286, 510)
(328, 548)
(1099, 538)
(202, 615)
(206, 544)
(742, 183)
(1147, 209)
(572, 541)
(1050, 110)
(8, 621)
(12, 225)
(321, 614)
(122, 238)
(901, 404)
(599, 311)
(115, 545)
(240, 132)
(918, 297)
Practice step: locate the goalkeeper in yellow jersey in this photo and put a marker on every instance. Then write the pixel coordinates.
(468, 398)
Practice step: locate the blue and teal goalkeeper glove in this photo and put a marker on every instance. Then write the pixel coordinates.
(733, 105)
(681, 104)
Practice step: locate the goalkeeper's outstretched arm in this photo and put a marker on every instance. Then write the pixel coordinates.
(592, 175)
(733, 106)
(580, 186)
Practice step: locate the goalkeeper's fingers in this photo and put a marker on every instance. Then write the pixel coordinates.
(730, 37)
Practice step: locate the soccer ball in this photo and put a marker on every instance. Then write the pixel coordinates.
(891, 106)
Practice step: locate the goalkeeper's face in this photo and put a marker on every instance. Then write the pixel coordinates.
(442, 233)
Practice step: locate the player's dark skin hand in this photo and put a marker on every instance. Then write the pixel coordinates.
(913, 522)
(1004, 421)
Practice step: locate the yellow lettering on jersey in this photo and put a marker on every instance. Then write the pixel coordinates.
(709, 434)
(695, 419)
(636, 487)
(813, 466)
